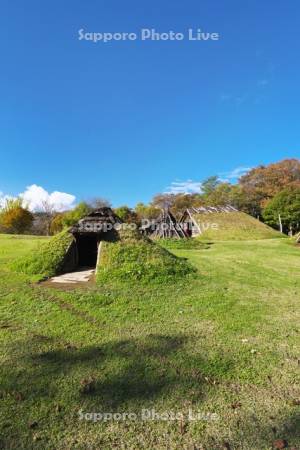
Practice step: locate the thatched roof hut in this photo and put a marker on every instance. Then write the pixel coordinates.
(97, 226)
(166, 226)
(116, 252)
(99, 221)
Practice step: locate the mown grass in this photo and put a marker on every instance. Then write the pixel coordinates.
(182, 244)
(225, 342)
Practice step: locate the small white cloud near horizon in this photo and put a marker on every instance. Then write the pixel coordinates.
(36, 197)
(184, 187)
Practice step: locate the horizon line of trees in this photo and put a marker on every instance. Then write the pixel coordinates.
(270, 193)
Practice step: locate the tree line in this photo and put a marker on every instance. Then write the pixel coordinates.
(270, 193)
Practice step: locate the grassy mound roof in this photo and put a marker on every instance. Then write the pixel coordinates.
(134, 257)
(48, 258)
(233, 226)
(182, 244)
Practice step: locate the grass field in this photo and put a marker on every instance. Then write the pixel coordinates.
(222, 345)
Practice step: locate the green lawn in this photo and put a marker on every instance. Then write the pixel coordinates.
(222, 344)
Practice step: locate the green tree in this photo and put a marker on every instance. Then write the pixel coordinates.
(127, 214)
(210, 184)
(71, 217)
(220, 195)
(284, 208)
(234, 195)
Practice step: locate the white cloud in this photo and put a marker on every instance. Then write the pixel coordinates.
(195, 187)
(234, 174)
(184, 187)
(35, 196)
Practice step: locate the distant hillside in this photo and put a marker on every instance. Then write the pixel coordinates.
(224, 226)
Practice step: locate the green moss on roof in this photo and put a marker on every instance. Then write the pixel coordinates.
(233, 226)
(136, 258)
(47, 259)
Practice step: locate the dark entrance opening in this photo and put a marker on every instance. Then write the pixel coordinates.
(87, 247)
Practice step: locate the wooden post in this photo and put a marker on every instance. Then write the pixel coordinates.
(194, 221)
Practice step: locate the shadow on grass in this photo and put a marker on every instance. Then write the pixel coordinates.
(114, 373)
(120, 375)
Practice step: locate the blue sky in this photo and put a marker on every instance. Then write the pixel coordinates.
(124, 120)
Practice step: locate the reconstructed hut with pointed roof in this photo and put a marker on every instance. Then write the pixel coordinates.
(100, 240)
(73, 248)
(166, 226)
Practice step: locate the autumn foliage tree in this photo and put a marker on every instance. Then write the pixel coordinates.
(57, 223)
(14, 218)
(262, 183)
(144, 211)
(177, 203)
